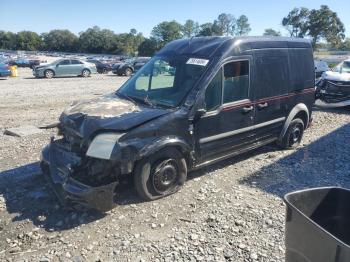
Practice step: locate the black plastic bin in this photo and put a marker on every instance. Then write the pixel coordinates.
(318, 225)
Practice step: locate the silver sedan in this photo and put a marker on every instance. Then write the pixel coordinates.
(65, 67)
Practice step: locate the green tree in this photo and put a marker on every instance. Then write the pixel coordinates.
(60, 40)
(271, 32)
(8, 40)
(27, 40)
(148, 47)
(133, 31)
(209, 29)
(225, 24)
(345, 45)
(325, 24)
(296, 22)
(190, 28)
(242, 26)
(95, 40)
(127, 44)
(166, 31)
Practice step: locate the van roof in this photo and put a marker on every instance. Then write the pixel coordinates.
(219, 46)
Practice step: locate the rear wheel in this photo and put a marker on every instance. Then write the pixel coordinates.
(49, 73)
(160, 174)
(294, 134)
(128, 71)
(85, 73)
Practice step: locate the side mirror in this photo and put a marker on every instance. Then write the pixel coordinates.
(57, 65)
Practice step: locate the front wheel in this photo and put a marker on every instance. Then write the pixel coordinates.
(294, 134)
(49, 74)
(128, 71)
(85, 73)
(160, 174)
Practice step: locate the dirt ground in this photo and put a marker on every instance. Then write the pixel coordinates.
(230, 211)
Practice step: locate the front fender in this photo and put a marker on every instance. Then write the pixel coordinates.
(168, 141)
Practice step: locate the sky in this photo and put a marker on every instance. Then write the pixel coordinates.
(120, 16)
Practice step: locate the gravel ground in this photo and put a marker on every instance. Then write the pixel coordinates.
(230, 211)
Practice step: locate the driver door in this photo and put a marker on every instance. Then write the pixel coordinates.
(227, 124)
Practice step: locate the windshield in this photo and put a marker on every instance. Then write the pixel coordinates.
(164, 81)
(346, 66)
(343, 67)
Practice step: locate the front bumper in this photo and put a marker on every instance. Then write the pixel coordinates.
(56, 164)
(38, 73)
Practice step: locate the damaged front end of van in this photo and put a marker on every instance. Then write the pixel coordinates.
(84, 162)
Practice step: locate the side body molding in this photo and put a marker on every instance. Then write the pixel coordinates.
(296, 109)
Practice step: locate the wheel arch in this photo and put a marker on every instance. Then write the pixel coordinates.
(49, 69)
(299, 111)
(167, 142)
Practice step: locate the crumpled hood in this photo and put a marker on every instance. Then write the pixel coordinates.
(109, 112)
(336, 76)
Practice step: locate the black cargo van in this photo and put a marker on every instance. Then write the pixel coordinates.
(215, 97)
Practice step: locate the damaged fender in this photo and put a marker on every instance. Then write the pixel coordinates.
(162, 143)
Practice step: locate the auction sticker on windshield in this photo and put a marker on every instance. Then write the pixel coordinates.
(197, 61)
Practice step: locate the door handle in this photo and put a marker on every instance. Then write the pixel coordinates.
(247, 109)
(263, 105)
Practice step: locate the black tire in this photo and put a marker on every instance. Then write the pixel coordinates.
(85, 73)
(49, 73)
(160, 174)
(294, 134)
(128, 71)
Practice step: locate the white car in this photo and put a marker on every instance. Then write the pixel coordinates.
(333, 89)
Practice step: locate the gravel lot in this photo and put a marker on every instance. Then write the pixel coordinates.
(231, 211)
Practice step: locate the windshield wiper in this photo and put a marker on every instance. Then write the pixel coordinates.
(127, 97)
(148, 101)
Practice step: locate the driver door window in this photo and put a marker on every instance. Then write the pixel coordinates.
(230, 84)
(64, 62)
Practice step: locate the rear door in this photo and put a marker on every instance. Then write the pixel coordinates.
(227, 123)
(270, 92)
(76, 67)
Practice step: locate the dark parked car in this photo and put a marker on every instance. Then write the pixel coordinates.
(33, 63)
(129, 66)
(4, 70)
(226, 96)
(102, 68)
(22, 62)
